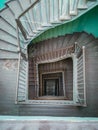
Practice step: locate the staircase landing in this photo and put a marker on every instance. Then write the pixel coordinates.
(47, 123)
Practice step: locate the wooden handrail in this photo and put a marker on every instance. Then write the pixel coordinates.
(67, 50)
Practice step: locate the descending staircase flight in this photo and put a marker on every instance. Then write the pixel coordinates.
(23, 20)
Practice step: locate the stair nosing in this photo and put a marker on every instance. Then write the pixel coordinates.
(2, 49)
(8, 23)
(9, 42)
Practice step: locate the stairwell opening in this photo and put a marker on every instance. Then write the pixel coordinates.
(53, 74)
(54, 80)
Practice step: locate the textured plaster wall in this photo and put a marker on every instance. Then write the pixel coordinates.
(8, 79)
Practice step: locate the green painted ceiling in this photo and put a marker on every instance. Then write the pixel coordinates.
(2, 3)
(87, 22)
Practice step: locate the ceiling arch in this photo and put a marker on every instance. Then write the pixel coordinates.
(87, 22)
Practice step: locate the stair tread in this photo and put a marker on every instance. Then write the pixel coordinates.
(8, 16)
(8, 55)
(5, 45)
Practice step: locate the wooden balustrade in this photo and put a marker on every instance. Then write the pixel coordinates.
(56, 54)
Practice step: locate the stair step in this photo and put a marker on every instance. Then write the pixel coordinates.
(27, 24)
(17, 10)
(9, 23)
(8, 50)
(64, 10)
(63, 18)
(67, 39)
(53, 10)
(44, 8)
(82, 4)
(55, 22)
(25, 5)
(9, 33)
(40, 29)
(82, 37)
(46, 25)
(89, 39)
(7, 27)
(73, 7)
(36, 31)
(92, 44)
(33, 15)
(8, 38)
(8, 55)
(15, 7)
(74, 37)
(27, 14)
(8, 16)
(10, 47)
